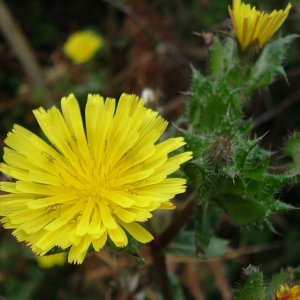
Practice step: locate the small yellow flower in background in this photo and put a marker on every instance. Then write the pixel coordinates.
(284, 292)
(89, 183)
(81, 46)
(49, 261)
(253, 26)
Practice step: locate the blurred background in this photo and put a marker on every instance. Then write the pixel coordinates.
(149, 48)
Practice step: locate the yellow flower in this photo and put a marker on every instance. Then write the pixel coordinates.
(284, 292)
(81, 46)
(49, 261)
(253, 26)
(89, 183)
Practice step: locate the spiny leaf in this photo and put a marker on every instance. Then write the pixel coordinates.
(197, 143)
(223, 57)
(243, 211)
(216, 58)
(269, 63)
(292, 150)
(211, 102)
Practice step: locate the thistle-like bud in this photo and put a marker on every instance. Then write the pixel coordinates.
(220, 151)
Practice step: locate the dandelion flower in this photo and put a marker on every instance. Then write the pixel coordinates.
(284, 292)
(253, 26)
(81, 46)
(50, 261)
(90, 182)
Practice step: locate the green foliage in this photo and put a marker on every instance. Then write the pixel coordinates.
(230, 171)
(253, 287)
(184, 244)
(177, 289)
(216, 247)
(206, 223)
(248, 71)
(223, 57)
(292, 150)
(210, 102)
(242, 210)
(239, 168)
(277, 280)
(269, 63)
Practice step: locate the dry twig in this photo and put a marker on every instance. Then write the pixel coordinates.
(21, 47)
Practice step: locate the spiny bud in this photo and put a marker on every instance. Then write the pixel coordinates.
(221, 150)
(253, 287)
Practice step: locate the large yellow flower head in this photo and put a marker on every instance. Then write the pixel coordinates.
(284, 292)
(81, 46)
(253, 26)
(90, 182)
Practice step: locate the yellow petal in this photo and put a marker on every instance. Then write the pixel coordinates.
(138, 232)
